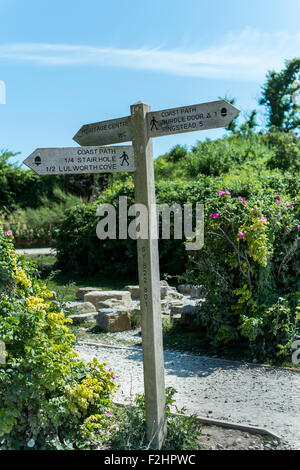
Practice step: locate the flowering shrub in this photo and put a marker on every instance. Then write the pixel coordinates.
(47, 395)
(250, 269)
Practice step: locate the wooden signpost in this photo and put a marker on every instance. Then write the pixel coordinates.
(139, 128)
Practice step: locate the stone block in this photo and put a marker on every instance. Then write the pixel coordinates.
(85, 290)
(172, 294)
(99, 296)
(113, 319)
(197, 292)
(109, 303)
(134, 291)
(185, 289)
(189, 315)
(82, 307)
(83, 318)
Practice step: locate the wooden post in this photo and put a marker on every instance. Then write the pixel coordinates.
(149, 282)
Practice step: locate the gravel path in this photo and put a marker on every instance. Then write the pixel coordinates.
(214, 388)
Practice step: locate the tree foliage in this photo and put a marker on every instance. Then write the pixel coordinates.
(277, 92)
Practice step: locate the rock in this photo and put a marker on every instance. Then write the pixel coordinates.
(196, 292)
(164, 290)
(172, 294)
(99, 296)
(176, 309)
(83, 317)
(164, 307)
(114, 319)
(109, 303)
(135, 291)
(164, 283)
(185, 288)
(85, 290)
(188, 312)
(82, 307)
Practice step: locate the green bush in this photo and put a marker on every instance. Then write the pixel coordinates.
(48, 397)
(183, 432)
(23, 189)
(286, 154)
(80, 251)
(222, 155)
(250, 269)
(36, 227)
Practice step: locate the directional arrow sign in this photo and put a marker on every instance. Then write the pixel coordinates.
(105, 132)
(78, 160)
(190, 118)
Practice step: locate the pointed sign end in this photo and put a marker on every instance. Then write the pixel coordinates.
(30, 160)
(75, 138)
(234, 109)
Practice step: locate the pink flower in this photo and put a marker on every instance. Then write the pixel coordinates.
(277, 197)
(221, 192)
(115, 200)
(207, 244)
(241, 235)
(244, 202)
(113, 377)
(280, 203)
(216, 215)
(288, 204)
(108, 413)
(263, 219)
(9, 233)
(240, 198)
(298, 227)
(110, 369)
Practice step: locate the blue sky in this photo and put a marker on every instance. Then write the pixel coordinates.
(67, 63)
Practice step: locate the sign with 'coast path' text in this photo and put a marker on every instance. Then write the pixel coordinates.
(78, 160)
(190, 118)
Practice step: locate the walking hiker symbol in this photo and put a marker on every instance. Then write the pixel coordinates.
(124, 159)
(153, 123)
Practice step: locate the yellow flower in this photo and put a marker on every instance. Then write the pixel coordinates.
(35, 303)
(21, 278)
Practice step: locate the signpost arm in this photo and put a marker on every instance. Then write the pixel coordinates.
(149, 281)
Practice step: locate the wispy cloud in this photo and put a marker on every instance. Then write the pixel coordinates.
(244, 56)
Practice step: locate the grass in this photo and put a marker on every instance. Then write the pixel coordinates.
(91, 332)
(66, 286)
(43, 260)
